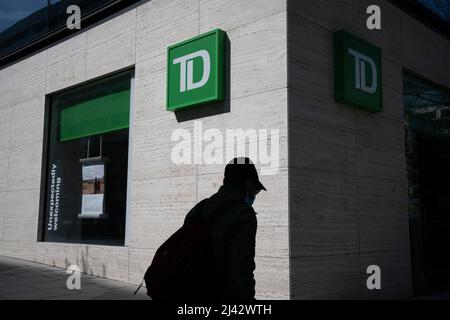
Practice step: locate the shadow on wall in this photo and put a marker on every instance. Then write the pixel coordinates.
(84, 265)
(212, 108)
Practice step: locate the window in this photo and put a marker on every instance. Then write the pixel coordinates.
(427, 107)
(14, 11)
(28, 25)
(21, 22)
(440, 8)
(87, 163)
(427, 120)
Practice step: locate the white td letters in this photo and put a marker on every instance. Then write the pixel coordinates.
(360, 72)
(187, 70)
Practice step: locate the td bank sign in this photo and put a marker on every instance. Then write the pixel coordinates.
(357, 72)
(195, 71)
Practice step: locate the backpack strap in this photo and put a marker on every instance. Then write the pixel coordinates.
(140, 286)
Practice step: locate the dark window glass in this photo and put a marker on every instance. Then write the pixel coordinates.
(427, 107)
(27, 21)
(13, 11)
(86, 174)
(21, 22)
(440, 8)
(427, 142)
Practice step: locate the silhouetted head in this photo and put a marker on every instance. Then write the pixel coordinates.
(241, 173)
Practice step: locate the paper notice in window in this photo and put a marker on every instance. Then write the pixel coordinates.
(93, 191)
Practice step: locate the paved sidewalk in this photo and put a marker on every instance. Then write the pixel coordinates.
(25, 280)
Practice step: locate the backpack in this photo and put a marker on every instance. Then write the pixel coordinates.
(183, 267)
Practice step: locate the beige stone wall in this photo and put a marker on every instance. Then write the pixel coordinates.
(161, 192)
(347, 167)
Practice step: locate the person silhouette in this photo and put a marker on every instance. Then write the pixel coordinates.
(96, 186)
(233, 232)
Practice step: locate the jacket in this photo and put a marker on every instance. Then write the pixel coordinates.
(233, 238)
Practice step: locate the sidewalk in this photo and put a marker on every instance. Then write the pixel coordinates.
(25, 280)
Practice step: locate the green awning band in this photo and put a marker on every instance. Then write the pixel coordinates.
(98, 115)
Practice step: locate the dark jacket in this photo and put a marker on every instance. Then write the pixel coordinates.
(233, 236)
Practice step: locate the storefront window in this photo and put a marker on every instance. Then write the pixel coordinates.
(87, 163)
(427, 120)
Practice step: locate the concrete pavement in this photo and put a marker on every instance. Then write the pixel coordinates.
(25, 280)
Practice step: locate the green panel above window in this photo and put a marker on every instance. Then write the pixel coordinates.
(100, 115)
(94, 109)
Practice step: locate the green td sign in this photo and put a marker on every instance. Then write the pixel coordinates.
(195, 71)
(357, 72)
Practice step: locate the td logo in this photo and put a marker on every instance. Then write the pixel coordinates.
(195, 71)
(357, 72)
(360, 71)
(187, 68)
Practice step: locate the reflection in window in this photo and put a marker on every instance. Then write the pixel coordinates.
(14, 11)
(22, 22)
(26, 21)
(427, 107)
